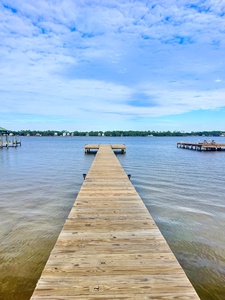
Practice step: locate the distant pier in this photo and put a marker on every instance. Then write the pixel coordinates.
(110, 247)
(202, 146)
(6, 141)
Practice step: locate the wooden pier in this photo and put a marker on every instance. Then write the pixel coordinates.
(6, 142)
(202, 146)
(110, 247)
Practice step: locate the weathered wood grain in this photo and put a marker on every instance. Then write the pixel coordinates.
(110, 247)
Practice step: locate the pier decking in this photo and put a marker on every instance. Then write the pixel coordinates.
(202, 146)
(110, 247)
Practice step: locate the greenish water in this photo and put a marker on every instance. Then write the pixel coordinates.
(183, 190)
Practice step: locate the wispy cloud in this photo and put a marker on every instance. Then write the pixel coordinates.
(67, 60)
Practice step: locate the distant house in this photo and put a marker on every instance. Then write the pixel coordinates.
(66, 133)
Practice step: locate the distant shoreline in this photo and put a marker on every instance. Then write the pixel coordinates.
(114, 133)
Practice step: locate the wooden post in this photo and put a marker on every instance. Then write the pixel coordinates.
(7, 141)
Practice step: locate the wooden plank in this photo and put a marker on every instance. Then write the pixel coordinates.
(110, 247)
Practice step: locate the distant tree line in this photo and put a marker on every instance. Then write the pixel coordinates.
(116, 133)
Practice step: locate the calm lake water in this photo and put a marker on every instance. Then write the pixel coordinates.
(184, 191)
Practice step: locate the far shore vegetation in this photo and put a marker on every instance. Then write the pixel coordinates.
(114, 133)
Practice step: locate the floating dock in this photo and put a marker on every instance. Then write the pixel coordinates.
(202, 146)
(110, 247)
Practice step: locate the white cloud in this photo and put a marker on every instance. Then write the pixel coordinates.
(218, 80)
(88, 58)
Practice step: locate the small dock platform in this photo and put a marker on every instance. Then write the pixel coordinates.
(6, 142)
(110, 247)
(202, 146)
(95, 147)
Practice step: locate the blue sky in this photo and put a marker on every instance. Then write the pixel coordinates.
(107, 65)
